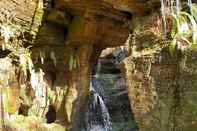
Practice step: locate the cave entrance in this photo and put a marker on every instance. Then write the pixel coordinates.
(108, 82)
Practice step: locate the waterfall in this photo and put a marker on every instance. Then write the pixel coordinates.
(97, 116)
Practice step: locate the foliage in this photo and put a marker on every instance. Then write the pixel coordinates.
(13, 36)
(184, 28)
(14, 39)
(10, 40)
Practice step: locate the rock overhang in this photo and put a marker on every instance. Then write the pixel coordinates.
(95, 22)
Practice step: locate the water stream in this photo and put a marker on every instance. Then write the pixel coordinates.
(97, 116)
(108, 106)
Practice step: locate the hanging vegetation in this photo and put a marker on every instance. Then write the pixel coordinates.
(181, 22)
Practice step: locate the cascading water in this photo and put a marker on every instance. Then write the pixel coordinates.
(108, 96)
(97, 116)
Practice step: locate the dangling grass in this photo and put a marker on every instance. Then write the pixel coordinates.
(184, 28)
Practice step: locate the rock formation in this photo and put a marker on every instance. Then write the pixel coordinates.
(48, 50)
